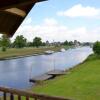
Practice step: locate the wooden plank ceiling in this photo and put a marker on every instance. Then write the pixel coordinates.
(12, 13)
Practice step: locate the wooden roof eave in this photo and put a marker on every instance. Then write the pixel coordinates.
(12, 13)
(16, 3)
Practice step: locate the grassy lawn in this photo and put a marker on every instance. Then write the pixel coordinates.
(82, 83)
(26, 51)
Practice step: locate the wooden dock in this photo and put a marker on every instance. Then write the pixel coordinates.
(56, 72)
(41, 78)
(49, 75)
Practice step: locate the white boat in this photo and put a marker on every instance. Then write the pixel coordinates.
(49, 52)
(62, 50)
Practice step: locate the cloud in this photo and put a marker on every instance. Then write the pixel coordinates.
(80, 11)
(28, 21)
(50, 29)
(50, 22)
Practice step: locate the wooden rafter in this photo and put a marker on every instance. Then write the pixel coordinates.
(16, 11)
(16, 3)
(12, 14)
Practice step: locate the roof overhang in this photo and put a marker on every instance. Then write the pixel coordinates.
(12, 13)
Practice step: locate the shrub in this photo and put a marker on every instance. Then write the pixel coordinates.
(96, 48)
(3, 49)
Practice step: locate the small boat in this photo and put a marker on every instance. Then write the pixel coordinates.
(49, 52)
(62, 50)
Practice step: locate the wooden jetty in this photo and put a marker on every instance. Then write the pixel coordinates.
(41, 78)
(49, 75)
(56, 72)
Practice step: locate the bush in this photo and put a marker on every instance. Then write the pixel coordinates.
(3, 49)
(96, 48)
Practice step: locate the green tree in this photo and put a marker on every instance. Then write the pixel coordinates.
(43, 44)
(37, 41)
(4, 42)
(96, 47)
(29, 44)
(66, 43)
(20, 42)
(71, 43)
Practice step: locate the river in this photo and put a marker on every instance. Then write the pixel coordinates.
(16, 73)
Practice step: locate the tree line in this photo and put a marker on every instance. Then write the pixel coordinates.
(20, 42)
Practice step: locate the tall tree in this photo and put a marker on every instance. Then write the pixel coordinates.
(66, 43)
(37, 41)
(71, 43)
(4, 42)
(20, 42)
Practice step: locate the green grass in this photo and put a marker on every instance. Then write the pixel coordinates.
(82, 83)
(25, 51)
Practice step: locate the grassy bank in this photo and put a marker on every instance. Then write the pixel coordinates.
(82, 83)
(26, 51)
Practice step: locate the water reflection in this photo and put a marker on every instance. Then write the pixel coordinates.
(16, 73)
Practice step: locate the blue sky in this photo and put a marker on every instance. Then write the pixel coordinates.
(62, 20)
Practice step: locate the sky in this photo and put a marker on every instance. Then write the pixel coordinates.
(60, 20)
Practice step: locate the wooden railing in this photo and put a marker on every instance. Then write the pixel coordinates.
(15, 94)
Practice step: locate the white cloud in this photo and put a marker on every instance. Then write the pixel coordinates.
(80, 11)
(28, 21)
(51, 30)
(50, 21)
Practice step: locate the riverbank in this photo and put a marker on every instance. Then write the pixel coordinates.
(80, 83)
(25, 52)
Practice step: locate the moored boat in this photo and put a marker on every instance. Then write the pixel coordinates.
(49, 52)
(62, 50)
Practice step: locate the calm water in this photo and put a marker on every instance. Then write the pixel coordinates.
(16, 73)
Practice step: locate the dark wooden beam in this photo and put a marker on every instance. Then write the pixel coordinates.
(9, 23)
(16, 11)
(12, 14)
(5, 4)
